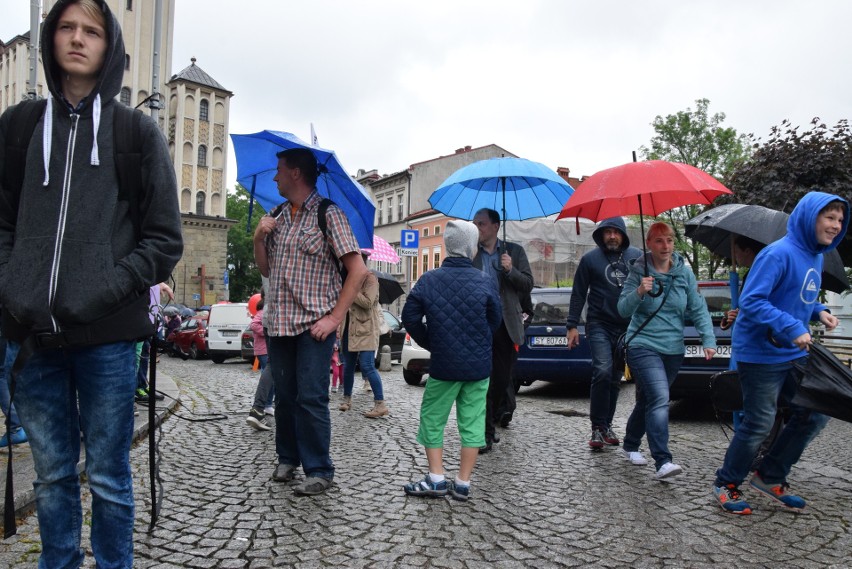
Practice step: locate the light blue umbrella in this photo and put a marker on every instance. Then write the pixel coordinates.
(518, 188)
(257, 166)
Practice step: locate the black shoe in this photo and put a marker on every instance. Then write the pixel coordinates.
(487, 448)
(505, 419)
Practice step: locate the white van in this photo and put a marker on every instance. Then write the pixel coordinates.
(225, 325)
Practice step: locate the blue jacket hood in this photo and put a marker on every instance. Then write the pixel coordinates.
(615, 223)
(802, 222)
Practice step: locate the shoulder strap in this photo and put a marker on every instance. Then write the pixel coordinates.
(22, 124)
(127, 136)
(322, 211)
(651, 317)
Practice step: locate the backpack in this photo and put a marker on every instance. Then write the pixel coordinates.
(128, 151)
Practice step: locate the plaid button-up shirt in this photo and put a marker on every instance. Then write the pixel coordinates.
(304, 282)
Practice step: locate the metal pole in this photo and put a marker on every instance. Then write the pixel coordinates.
(154, 103)
(35, 17)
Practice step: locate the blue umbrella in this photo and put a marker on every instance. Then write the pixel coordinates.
(519, 188)
(257, 166)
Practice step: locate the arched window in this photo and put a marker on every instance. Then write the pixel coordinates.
(204, 110)
(125, 96)
(202, 155)
(127, 61)
(199, 203)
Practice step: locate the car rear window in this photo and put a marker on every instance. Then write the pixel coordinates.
(229, 315)
(550, 307)
(718, 297)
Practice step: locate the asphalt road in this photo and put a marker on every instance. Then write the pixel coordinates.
(541, 499)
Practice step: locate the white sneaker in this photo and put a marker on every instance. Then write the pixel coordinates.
(269, 411)
(668, 470)
(635, 457)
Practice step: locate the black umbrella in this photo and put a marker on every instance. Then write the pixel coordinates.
(826, 385)
(714, 228)
(389, 287)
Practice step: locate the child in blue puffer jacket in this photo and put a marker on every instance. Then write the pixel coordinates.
(453, 312)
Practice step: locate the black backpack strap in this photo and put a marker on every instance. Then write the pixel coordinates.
(127, 134)
(22, 124)
(322, 212)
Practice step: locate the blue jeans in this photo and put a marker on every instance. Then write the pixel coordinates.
(654, 373)
(58, 393)
(763, 385)
(302, 421)
(606, 381)
(13, 423)
(367, 361)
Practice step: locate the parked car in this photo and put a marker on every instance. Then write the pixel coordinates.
(395, 338)
(415, 361)
(693, 380)
(190, 339)
(545, 356)
(224, 330)
(247, 344)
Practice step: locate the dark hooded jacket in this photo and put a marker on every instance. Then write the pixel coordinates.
(70, 257)
(600, 277)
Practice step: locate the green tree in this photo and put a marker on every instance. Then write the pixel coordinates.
(790, 164)
(698, 139)
(243, 275)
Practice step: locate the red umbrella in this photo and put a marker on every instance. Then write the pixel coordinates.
(639, 188)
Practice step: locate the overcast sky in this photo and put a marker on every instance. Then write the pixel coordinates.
(576, 84)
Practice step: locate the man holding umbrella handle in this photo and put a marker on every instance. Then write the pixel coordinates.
(507, 264)
(306, 303)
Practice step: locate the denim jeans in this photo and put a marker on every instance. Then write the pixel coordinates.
(58, 393)
(265, 392)
(606, 381)
(654, 373)
(13, 423)
(302, 421)
(763, 385)
(367, 361)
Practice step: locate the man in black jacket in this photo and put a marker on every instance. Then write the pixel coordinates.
(507, 264)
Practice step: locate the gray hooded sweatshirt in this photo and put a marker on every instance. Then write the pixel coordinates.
(70, 258)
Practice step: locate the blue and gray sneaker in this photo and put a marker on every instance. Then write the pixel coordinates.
(731, 500)
(426, 487)
(778, 493)
(460, 492)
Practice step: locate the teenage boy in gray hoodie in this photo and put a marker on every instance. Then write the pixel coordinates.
(76, 264)
(453, 312)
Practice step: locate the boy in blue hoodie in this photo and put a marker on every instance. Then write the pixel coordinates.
(453, 312)
(772, 334)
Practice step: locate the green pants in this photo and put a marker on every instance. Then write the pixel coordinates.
(438, 399)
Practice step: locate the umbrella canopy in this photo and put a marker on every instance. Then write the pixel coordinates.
(642, 188)
(519, 188)
(714, 229)
(389, 287)
(257, 166)
(381, 251)
(826, 384)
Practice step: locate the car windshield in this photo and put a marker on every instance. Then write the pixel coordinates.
(718, 299)
(550, 307)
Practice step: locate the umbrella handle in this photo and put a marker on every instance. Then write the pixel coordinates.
(655, 294)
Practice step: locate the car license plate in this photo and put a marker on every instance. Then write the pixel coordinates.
(548, 341)
(230, 333)
(695, 351)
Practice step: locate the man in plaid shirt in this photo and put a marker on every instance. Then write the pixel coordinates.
(306, 303)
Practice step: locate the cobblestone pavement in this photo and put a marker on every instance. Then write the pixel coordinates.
(541, 499)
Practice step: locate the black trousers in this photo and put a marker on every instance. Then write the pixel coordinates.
(501, 389)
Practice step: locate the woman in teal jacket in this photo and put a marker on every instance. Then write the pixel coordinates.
(655, 341)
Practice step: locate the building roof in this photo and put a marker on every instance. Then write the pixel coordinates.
(25, 37)
(462, 151)
(195, 74)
